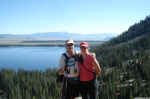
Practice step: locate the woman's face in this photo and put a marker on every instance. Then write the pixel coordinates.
(83, 49)
(70, 47)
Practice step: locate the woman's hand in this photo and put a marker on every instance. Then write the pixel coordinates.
(96, 65)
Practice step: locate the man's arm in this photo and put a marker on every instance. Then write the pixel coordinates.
(61, 66)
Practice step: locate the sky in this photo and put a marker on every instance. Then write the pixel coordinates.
(73, 16)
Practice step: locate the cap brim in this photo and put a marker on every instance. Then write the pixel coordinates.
(84, 46)
(70, 42)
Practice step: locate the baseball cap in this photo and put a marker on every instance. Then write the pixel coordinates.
(70, 41)
(84, 44)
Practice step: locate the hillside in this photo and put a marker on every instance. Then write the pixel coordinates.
(137, 30)
(135, 40)
(125, 62)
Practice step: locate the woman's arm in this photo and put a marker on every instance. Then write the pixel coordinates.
(96, 65)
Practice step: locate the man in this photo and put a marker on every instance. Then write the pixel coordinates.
(68, 68)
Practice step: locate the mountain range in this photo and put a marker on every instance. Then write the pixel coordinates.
(58, 36)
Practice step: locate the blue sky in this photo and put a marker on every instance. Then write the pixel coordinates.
(74, 16)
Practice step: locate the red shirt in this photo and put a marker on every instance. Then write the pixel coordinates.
(86, 67)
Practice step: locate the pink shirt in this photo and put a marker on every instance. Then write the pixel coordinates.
(86, 67)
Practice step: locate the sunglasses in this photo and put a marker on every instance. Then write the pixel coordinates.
(82, 47)
(69, 44)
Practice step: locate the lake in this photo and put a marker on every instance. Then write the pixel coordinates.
(30, 58)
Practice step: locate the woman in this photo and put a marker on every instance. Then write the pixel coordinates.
(89, 69)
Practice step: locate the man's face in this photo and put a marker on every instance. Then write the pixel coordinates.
(70, 47)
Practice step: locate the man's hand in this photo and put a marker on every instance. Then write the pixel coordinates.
(61, 71)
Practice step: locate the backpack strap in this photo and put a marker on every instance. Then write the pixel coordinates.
(66, 61)
(75, 56)
(66, 57)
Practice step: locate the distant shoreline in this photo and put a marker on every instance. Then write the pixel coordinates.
(44, 43)
(28, 44)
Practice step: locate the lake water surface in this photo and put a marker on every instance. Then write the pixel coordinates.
(30, 58)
